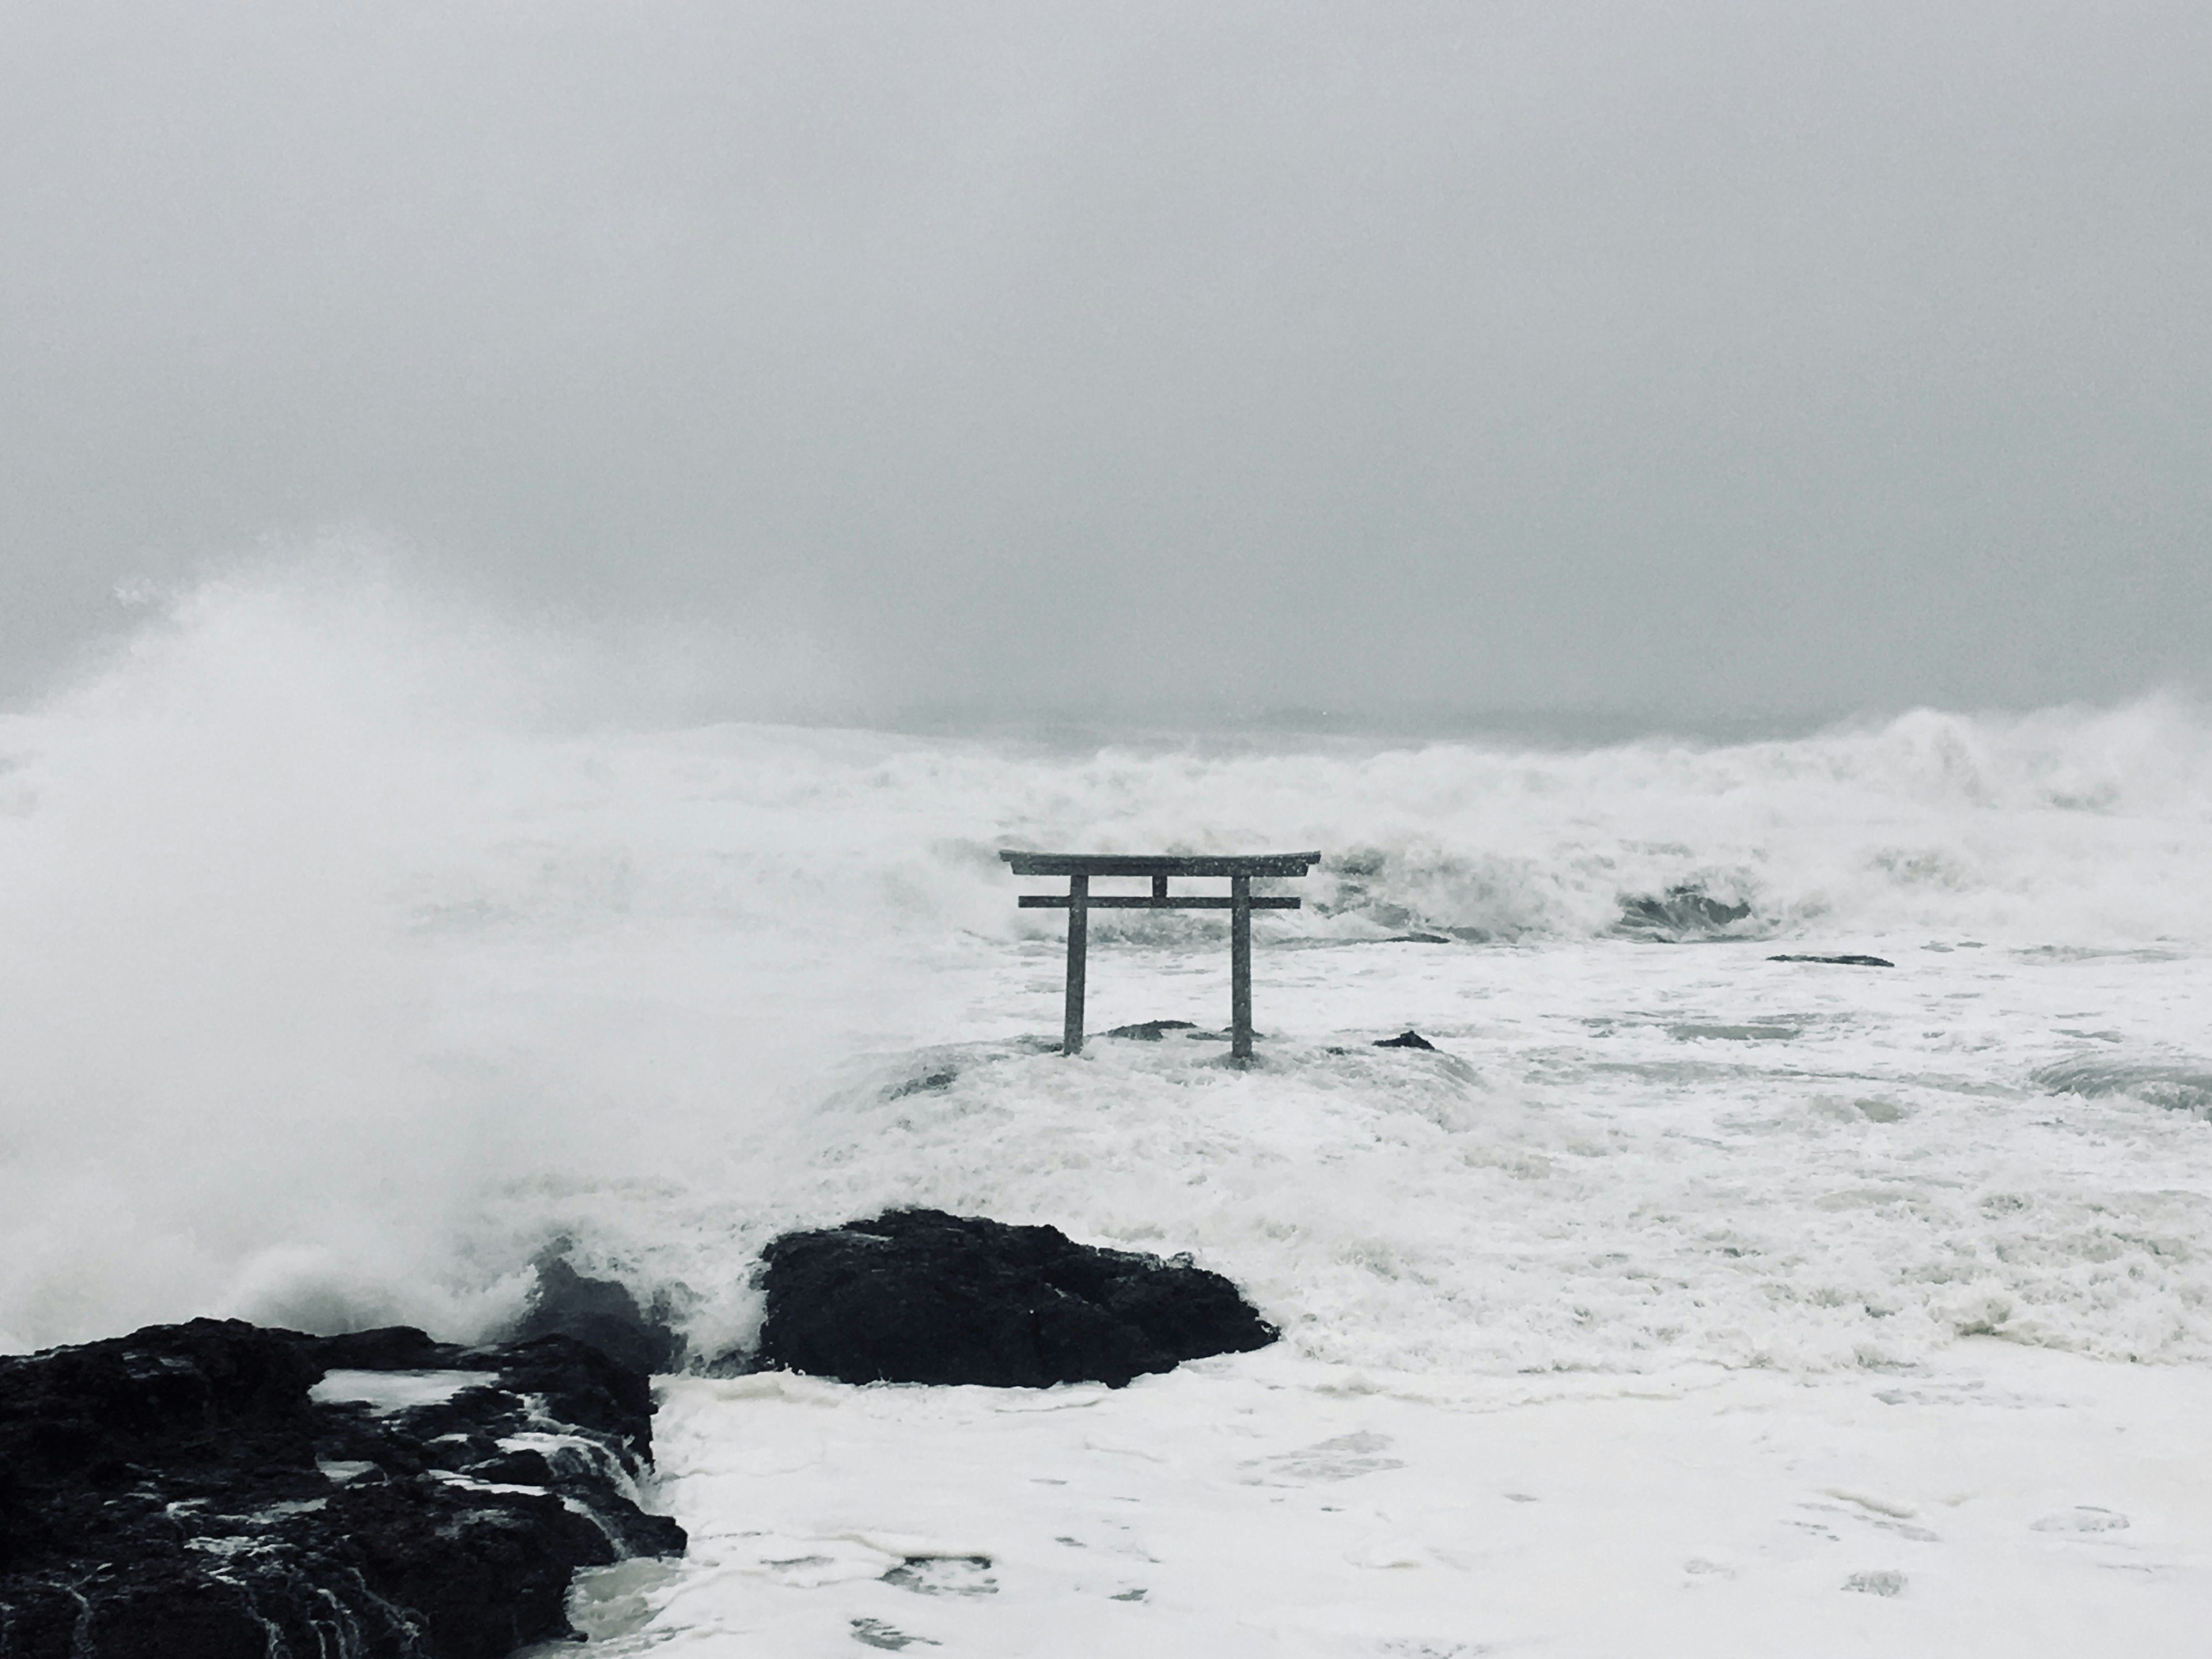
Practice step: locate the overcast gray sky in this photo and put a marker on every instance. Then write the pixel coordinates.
(1695, 358)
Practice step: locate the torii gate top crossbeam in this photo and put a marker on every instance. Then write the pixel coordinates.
(1160, 864)
(1240, 868)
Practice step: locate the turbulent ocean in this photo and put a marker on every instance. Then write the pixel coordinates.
(347, 963)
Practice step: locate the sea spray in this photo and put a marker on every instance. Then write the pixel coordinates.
(345, 966)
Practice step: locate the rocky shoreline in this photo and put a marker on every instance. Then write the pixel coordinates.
(217, 1489)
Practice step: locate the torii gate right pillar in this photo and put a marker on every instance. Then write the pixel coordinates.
(1078, 948)
(1240, 968)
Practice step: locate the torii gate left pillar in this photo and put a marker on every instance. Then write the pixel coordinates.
(1078, 902)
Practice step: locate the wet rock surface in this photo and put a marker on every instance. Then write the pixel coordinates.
(919, 1296)
(217, 1489)
(1406, 1039)
(599, 1311)
(1839, 961)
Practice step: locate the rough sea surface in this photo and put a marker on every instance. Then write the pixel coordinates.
(343, 969)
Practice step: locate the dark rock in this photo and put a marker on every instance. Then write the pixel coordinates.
(1152, 1029)
(1840, 962)
(1418, 938)
(1686, 912)
(919, 1296)
(392, 1348)
(1408, 1039)
(179, 1493)
(599, 1311)
(486, 1572)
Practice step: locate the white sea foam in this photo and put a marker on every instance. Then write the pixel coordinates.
(2026, 1502)
(388, 1392)
(1679, 1295)
(338, 975)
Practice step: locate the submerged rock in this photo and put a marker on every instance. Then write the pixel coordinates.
(928, 1083)
(1153, 1030)
(1408, 1038)
(919, 1296)
(219, 1490)
(1840, 962)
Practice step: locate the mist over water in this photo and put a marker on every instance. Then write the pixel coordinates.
(1719, 362)
(350, 952)
(545, 549)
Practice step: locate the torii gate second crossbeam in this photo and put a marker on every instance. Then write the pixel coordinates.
(1078, 902)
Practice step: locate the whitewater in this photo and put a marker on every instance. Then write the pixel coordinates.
(1682, 1300)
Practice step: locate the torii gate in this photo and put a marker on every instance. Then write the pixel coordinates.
(1080, 867)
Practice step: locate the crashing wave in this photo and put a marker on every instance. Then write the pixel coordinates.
(2179, 1085)
(1685, 913)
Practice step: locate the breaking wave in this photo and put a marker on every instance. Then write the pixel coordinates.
(347, 955)
(2181, 1085)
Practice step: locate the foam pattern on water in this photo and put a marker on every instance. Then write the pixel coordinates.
(338, 976)
(1648, 1193)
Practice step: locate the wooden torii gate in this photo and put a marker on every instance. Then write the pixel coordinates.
(1078, 902)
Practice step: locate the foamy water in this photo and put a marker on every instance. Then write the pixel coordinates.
(343, 967)
(339, 978)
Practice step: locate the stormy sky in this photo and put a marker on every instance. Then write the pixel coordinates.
(1695, 360)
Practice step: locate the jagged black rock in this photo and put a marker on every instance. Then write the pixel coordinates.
(919, 1296)
(599, 1311)
(177, 1492)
